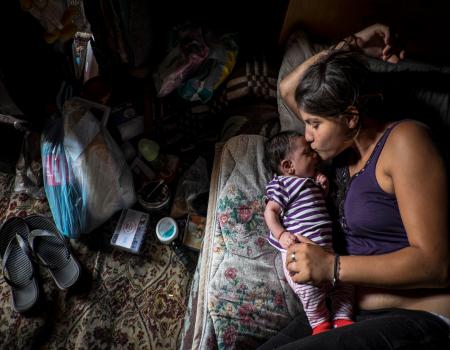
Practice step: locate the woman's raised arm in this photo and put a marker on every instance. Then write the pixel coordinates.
(289, 83)
(374, 41)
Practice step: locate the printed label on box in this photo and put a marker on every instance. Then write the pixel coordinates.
(130, 230)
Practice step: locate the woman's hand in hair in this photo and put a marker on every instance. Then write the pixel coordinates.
(378, 41)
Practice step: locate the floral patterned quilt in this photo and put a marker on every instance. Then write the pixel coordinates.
(243, 298)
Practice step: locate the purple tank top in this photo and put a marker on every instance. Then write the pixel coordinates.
(371, 218)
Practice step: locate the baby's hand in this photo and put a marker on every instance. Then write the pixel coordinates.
(287, 239)
(322, 181)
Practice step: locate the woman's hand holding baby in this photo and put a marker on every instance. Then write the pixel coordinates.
(312, 263)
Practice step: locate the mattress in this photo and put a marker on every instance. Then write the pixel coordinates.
(239, 296)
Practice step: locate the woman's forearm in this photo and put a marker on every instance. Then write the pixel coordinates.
(289, 83)
(407, 268)
(361, 41)
(403, 269)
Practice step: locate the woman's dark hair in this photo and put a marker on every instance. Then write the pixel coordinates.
(337, 81)
(278, 147)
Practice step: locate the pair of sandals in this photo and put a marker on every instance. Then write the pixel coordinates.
(28, 240)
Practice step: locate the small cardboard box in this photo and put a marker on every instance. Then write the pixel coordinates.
(127, 121)
(130, 230)
(194, 232)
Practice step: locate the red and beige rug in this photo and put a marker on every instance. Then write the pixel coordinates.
(123, 301)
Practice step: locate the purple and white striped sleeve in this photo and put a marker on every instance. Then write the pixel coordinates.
(276, 191)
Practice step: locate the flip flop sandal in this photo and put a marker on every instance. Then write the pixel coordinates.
(18, 269)
(49, 247)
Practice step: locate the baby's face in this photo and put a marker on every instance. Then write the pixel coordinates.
(303, 158)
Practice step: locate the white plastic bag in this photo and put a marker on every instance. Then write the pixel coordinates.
(86, 177)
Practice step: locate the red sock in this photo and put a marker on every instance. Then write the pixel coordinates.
(341, 323)
(321, 327)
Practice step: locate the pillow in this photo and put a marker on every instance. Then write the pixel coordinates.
(298, 49)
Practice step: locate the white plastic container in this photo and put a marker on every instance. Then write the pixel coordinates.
(167, 230)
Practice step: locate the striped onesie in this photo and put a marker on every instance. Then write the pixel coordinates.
(303, 212)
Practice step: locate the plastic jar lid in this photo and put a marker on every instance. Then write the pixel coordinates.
(149, 149)
(166, 230)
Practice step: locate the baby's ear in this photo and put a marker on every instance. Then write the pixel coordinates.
(285, 166)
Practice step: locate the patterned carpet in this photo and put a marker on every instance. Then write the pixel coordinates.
(123, 301)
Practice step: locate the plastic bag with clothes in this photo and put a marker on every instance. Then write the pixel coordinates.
(214, 70)
(86, 177)
(187, 52)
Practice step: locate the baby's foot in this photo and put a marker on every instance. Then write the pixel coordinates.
(321, 327)
(342, 323)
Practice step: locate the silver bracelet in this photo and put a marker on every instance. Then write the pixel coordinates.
(336, 270)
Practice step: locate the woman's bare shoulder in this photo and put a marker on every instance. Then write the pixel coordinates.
(410, 127)
(411, 136)
(411, 146)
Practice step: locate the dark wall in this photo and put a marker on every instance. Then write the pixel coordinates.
(422, 25)
(258, 22)
(31, 69)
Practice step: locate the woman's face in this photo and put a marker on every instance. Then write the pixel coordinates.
(327, 136)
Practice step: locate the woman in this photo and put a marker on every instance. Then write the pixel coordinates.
(394, 213)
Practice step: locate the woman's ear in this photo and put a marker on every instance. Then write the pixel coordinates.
(352, 118)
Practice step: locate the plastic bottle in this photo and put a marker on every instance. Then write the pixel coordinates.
(149, 149)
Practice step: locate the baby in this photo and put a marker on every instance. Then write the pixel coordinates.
(295, 205)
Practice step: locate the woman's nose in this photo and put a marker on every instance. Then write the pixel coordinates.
(308, 136)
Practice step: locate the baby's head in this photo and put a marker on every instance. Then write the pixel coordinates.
(289, 154)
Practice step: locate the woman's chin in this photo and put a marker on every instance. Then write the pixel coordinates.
(323, 156)
(326, 156)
